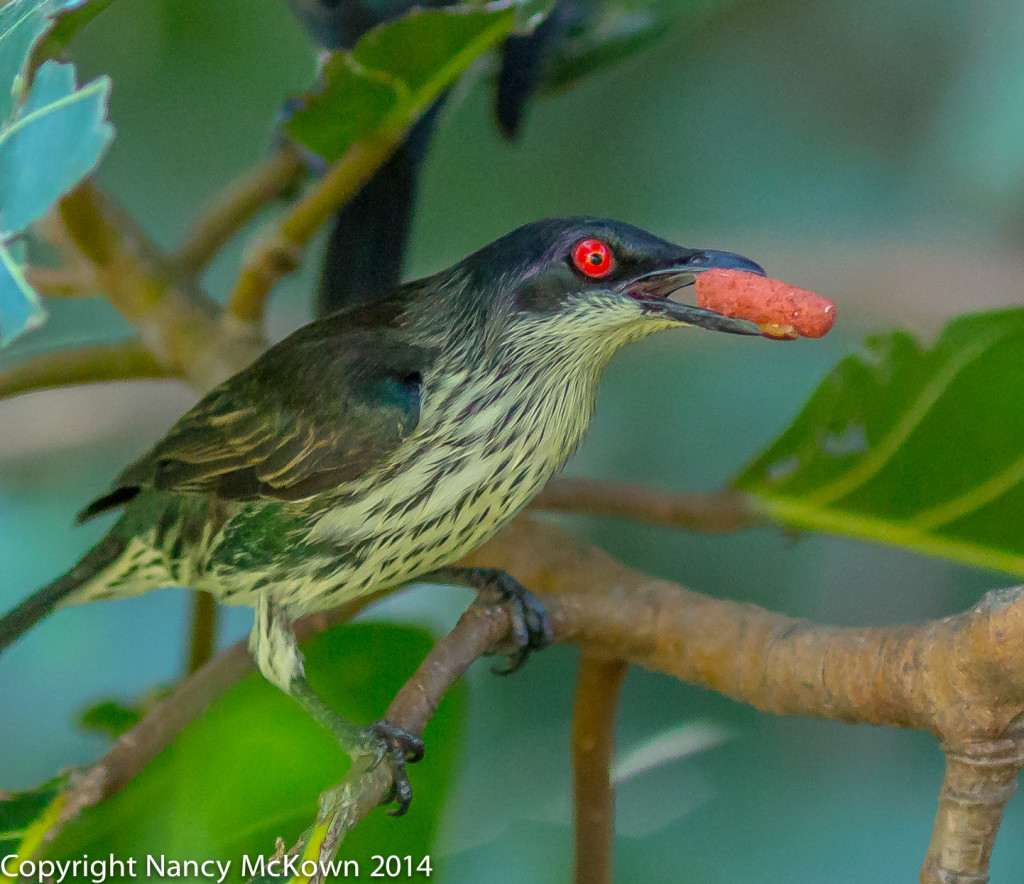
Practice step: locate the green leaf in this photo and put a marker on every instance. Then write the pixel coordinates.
(606, 36)
(20, 306)
(110, 718)
(394, 73)
(53, 141)
(251, 769)
(919, 447)
(66, 22)
(25, 817)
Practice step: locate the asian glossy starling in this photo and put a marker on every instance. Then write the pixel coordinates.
(384, 442)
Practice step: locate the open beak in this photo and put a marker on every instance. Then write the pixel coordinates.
(659, 291)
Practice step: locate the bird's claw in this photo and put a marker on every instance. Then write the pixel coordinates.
(387, 742)
(531, 627)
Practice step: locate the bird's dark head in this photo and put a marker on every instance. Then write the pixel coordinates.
(582, 281)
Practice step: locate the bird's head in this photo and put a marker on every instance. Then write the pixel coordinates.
(589, 284)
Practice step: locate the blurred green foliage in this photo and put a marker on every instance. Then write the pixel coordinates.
(393, 75)
(250, 770)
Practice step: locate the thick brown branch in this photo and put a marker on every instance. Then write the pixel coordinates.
(981, 776)
(959, 678)
(238, 203)
(598, 686)
(123, 361)
(281, 248)
(717, 513)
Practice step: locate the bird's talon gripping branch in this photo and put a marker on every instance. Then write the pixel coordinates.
(387, 742)
(531, 628)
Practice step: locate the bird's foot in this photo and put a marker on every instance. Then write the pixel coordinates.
(386, 743)
(531, 626)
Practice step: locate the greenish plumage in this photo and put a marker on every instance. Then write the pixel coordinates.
(386, 441)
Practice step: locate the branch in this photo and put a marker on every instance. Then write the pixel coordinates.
(479, 631)
(720, 512)
(58, 282)
(281, 249)
(236, 205)
(189, 699)
(175, 320)
(958, 678)
(123, 361)
(202, 631)
(598, 686)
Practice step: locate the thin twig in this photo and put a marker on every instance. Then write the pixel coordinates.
(479, 630)
(123, 361)
(58, 282)
(174, 318)
(719, 512)
(598, 687)
(281, 249)
(202, 631)
(236, 205)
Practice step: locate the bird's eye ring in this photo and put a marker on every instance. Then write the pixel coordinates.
(593, 258)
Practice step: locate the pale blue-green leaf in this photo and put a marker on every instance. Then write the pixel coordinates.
(20, 306)
(54, 140)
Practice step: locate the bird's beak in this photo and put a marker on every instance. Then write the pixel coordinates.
(659, 291)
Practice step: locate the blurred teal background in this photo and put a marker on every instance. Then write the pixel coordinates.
(873, 152)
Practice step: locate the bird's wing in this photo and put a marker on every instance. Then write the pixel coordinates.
(321, 408)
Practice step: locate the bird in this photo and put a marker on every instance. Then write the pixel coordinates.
(382, 443)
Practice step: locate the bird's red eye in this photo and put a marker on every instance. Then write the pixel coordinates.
(593, 258)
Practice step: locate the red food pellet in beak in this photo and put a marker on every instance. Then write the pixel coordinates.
(780, 310)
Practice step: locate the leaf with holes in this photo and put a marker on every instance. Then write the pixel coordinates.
(394, 74)
(911, 445)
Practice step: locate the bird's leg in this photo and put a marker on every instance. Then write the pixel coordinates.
(276, 652)
(531, 628)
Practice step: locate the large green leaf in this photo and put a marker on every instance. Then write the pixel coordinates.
(394, 73)
(251, 769)
(912, 445)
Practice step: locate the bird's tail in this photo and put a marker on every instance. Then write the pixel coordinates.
(22, 618)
